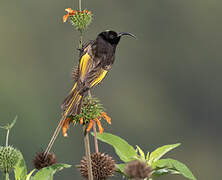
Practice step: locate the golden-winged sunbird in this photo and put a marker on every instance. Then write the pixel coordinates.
(96, 59)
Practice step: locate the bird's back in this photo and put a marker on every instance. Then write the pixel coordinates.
(103, 52)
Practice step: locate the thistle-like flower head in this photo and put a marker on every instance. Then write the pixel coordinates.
(92, 112)
(137, 170)
(103, 166)
(79, 19)
(9, 156)
(40, 161)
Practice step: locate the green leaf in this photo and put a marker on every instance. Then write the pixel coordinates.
(121, 168)
(28, 177)
(164, 171)
(125, 151)
(20, 168)
(48, 172)
(141, 152)
(176, 165)
(159, 152)
(13, 122)
(9, 126)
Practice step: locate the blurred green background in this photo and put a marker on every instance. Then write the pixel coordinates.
(165, 87)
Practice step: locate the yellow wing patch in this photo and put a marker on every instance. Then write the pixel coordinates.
(99, 78)
(84, 65)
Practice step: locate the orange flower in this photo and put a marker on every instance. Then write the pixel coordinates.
(90, 125)
(99, 125)
(65, 127)
(106, 117)
(70, 13)
(89, 12)
(81, 120)
(86, 11)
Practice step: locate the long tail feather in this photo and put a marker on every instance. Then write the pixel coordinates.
(69, 97)
(71, 105)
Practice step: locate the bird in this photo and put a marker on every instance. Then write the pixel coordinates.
(96, 59)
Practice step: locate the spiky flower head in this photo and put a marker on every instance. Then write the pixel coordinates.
(40, 161)
(92, 112)
(138, 170)
(79, 19)
(9, 156)
(91, 109)
(103, 166)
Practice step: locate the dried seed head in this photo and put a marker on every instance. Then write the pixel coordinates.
(9, 156)
(137, 170)
(40, 161)
(103, 166)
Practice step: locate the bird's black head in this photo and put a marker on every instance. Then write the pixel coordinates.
(113, 37)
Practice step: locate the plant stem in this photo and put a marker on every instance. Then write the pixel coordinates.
(95, 138)
(88, 154)
(85, 133)
(81, 40)
(80, 5)
(6, 176)
(81, 33)
(89, 94)
(94, 131)
(7, 135)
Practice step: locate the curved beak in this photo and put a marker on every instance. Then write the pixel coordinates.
(126, 33)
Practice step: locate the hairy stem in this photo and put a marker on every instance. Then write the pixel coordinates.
(88, 154)
(89, 94)
(80, 5)
(94, 131)
(95, 139)
(81, 40)
(7, 135)
(86, 135)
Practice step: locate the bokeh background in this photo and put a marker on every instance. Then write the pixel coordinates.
(165, 87)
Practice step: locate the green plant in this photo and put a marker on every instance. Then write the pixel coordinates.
(160, 167)
(98, 166)
(12, 159)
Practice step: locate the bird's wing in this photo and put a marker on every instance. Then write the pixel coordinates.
(91, 71)
(79, 73)
(96, 75)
